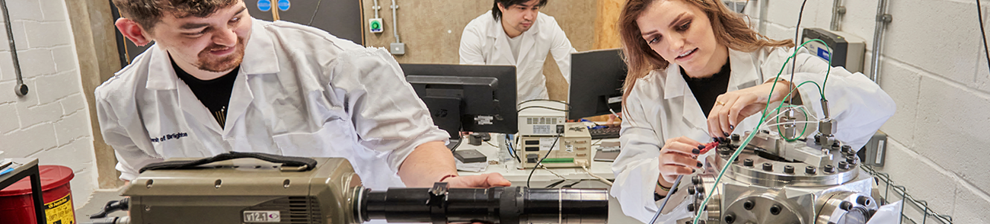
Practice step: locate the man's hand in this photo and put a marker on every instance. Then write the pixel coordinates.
(478, 181)
(613, 120)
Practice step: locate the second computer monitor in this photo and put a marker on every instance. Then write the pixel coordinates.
(476, 98)
(596, 83)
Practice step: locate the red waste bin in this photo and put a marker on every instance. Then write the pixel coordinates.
(17, 205)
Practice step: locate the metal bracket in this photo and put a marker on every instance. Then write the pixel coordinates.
(438, 202)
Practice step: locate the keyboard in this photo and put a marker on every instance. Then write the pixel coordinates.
(606, 132)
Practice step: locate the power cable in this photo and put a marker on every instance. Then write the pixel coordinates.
(797, 30)
(541, 160)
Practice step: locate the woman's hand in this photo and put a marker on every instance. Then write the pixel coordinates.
(732, 107)
(678, 157)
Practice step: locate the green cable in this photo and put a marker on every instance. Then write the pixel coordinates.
(762, 119)
(827, 71)
(802, 110)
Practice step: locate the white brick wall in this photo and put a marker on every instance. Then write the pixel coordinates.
(934, 68)
(52, 122)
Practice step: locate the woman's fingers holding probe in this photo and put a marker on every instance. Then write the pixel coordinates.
(677, 157)
(682, 145)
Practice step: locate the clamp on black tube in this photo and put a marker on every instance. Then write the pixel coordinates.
(510, 207)
(438, 202)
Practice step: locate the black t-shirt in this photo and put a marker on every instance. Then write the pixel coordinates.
(706, 90)
(214, 94)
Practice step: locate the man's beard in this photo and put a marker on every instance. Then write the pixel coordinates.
(223, 64)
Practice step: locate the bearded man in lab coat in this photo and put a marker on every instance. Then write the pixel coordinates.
(217, 80)
(515, 32)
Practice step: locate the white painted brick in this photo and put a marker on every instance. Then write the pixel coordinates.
(923, 181)
(35, 62)
(65, 58)
(53, 10)
(28, 141)
(902, 84)
(784, 12)
(971, 206)
(859, 19)
(77, 155)
(9, 121)
(72, 127)
(32, 115)
(24, 10)
(60, 85)
(83, 185)
(8, 97)
(982, 79)
(822, 16)
(779, 32)
(47, 34)
(20, 38)
(6, 64)
(816, 14)
(954, 135)
(73, 104)
(919, 24)
(4, 46)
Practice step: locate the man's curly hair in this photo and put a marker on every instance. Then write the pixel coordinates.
(147, 13)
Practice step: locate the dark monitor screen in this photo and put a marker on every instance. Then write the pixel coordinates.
(596, 83)
(476, 98)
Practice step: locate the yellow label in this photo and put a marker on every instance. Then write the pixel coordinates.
(60, 211)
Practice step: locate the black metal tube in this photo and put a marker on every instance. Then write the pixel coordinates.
(509, 205)
(21, 89)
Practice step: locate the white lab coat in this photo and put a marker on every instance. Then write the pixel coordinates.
(661, 106)
(484, 42)
(299, 92)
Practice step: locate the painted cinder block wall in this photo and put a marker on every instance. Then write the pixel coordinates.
(933, 66)
(51, 122)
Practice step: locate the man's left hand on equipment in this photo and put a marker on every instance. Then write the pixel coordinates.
(478, 181)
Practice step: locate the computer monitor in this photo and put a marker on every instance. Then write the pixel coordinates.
(475, 98)
(596, 83)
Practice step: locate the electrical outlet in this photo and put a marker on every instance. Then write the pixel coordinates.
(397, 48)
(375, 25)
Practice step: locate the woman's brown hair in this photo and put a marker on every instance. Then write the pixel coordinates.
(729, 27)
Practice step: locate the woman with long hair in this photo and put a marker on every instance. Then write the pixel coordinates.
(697, 72)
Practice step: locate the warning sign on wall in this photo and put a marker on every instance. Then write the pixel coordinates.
(60, 211)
